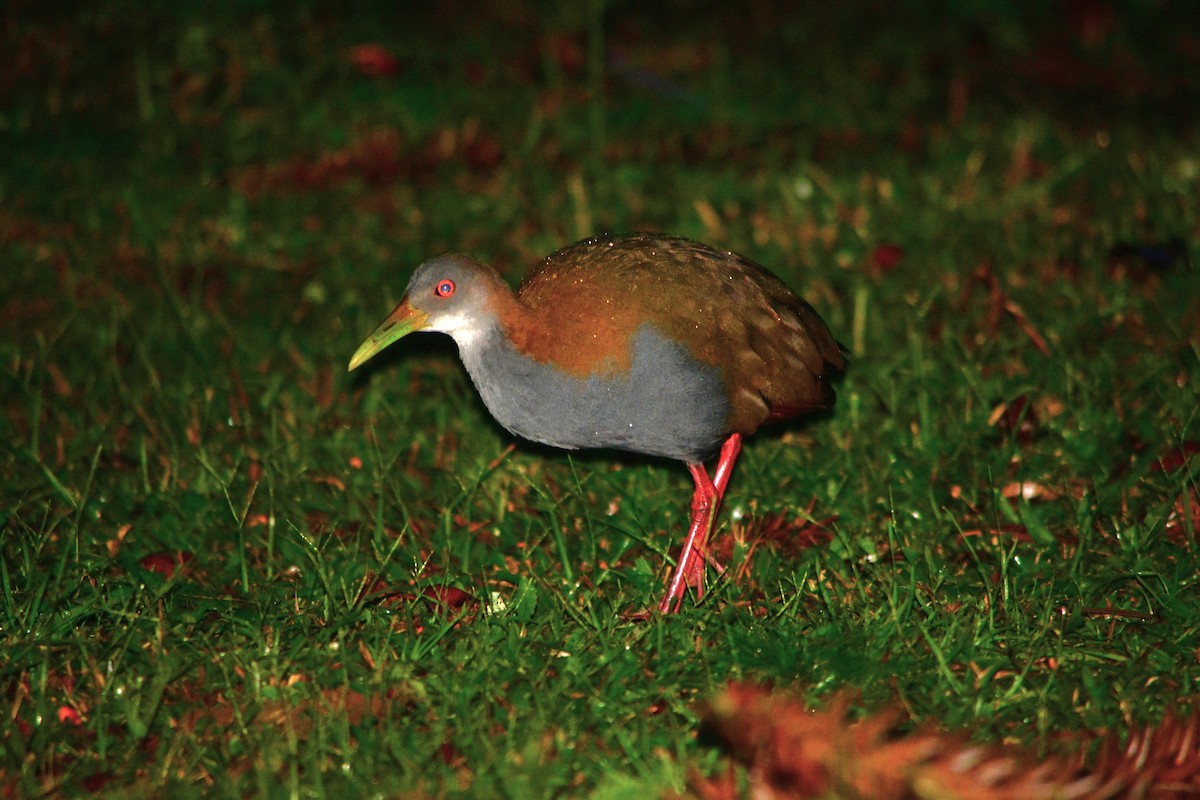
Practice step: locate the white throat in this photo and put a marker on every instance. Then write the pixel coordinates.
(467, 330)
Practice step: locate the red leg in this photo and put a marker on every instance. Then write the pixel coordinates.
(706, 501)
(730, 451)
(729, 455)
(702, 498)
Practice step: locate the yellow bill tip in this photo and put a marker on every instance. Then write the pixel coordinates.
(400, 323)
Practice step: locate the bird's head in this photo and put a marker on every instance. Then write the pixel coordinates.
(452, 294)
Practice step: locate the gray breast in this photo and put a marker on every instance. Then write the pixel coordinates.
(668, 404)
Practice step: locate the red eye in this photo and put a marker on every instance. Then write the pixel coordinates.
(445, 288)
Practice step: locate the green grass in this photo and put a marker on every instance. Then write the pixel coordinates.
(202, 217)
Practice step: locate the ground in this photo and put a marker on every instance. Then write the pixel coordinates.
(231, 569)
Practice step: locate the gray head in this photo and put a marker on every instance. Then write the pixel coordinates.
(454, 294)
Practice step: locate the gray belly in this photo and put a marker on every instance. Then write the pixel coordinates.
(668, 404)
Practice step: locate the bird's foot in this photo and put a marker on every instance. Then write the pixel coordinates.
(694, 572)
(711, 560)
(689, 574)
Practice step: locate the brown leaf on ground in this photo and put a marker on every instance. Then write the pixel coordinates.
(1183, 522)
(792, 536)
(446, 598)
(1017, 418)
(376, 157)
(999, 534)
(884, 258)
(166, 563)
(300, 713)
(374, 61)
(792, 751)
(1028, 490)
(998, 306)
(1176, 457)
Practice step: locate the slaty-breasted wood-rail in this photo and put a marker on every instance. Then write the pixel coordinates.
(645, 343)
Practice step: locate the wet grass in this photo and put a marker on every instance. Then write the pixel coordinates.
(229, 568)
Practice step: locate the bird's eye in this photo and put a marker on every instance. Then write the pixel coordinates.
(445, 288)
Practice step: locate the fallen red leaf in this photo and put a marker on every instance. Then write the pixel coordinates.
(790, 750)
(374, 61)
(448, 752)
(1183, 522)
(885, 258)
(483, 153)
(1176, 457)
(1027, 327)
(449, 598)
(1018, 417)
(567, 52)
(377, 590)
(165, 563)
(97, 781)
(1005, 530)
(1028, 490)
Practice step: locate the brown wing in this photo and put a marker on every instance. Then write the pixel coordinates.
(586, 300)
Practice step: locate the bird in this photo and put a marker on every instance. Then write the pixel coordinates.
(644, 343)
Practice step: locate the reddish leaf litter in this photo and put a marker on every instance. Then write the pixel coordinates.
(374, 61)
(166, 563)
(373, 157)
(792, 536)
(789, 750)
(1000, 305)
(300, 713)
(1183, 520)
(1000, 534)
(97, 781)
(69, 716)
(1017, 418)
(377, 157)
(446, 598)
(884, 258)
(1176, 457)
(437, 600)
